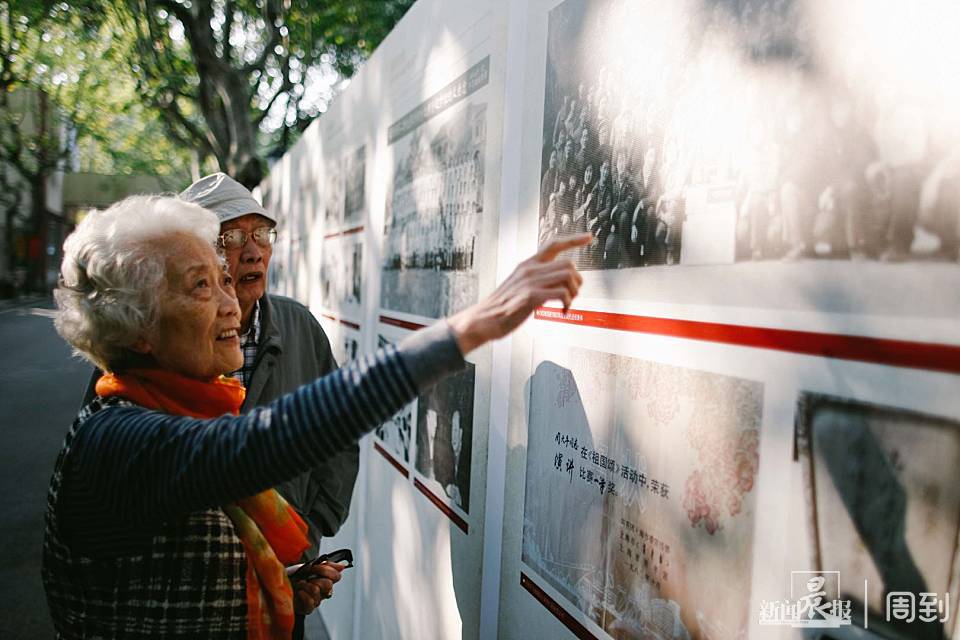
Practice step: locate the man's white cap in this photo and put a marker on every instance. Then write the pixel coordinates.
(225, 197)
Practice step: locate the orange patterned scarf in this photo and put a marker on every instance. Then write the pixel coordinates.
(272, 533)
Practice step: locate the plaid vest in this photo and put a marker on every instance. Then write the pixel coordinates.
(187, 579)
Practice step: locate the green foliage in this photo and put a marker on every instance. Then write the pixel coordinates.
(238, 79)
(78, 63)
(151, 84)
(117, 133)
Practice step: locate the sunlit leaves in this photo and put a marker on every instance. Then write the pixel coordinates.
(76, 56)
(174, 66)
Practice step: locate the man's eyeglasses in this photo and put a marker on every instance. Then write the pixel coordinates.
(236, 238)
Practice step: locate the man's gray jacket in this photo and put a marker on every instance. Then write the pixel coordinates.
(293, 350)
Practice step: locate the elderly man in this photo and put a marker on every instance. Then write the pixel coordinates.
(283, 345)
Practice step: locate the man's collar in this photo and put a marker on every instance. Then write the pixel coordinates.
(254, 329)
(269, 332)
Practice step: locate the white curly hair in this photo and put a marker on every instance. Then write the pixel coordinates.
(112, 274)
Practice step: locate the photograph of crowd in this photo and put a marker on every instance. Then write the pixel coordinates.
(433, 214)
(445, 436)
(397, 432)
(703, 132)
(354, 172)
(881, 484)
(641, 492)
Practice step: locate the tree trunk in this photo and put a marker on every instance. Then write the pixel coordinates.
(242, 161)
(38, 213)
(224, 100)
(10, 215)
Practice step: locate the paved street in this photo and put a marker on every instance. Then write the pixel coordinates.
(40, 386)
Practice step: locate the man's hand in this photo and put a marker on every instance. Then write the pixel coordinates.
(309, 593)
(535, 281)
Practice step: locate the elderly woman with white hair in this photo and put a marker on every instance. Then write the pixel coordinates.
(161, 519)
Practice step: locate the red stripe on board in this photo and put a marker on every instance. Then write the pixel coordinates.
(391, 460)
(896, 353)
(553, 607)
(440, 504)
(345, 232)
(403, 324)
(352, 325)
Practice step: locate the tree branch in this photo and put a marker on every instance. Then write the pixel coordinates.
(159, 67)
(212, 109)
(197, 138)
(227, 28)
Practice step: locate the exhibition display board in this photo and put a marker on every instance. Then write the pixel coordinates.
(754, 400)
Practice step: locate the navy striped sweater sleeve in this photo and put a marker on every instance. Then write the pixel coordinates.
(145, 466)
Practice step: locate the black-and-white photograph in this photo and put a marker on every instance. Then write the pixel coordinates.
(341, 274)
(351, 346)
(333, 200)
(279, 276)
(397, 432)
(445, 436)
(435, 205)
(354, 173)
(355, 274)
(882, 489)
(344, 342)
(725, 132)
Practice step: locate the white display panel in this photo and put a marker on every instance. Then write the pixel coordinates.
(339, 187)
(424, 495)
(785, 538)
(688, 291)
(774, 269)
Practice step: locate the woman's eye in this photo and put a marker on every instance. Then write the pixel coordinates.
(202, 284)
(227, 281)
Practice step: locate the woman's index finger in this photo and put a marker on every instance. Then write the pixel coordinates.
(556, 246)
